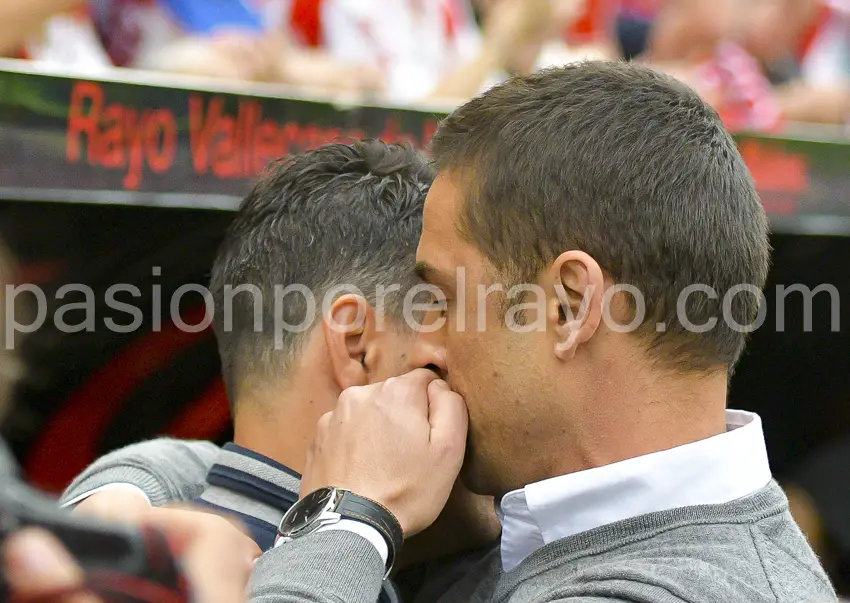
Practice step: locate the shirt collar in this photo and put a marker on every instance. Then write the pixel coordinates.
(713, 471)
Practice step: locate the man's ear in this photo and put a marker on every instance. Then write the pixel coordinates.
(575, 311)
(348, 328)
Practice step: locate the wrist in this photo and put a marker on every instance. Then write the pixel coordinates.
(327, 508)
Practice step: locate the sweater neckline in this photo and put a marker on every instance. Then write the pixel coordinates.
(767, 502)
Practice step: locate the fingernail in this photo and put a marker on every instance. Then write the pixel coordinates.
(441, 384)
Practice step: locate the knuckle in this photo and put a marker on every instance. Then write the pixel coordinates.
(325, 421)
(323, 427)
(348, 396)
(395, 386)
(355, 395)
(450, 447)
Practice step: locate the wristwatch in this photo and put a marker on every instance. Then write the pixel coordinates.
(327, 506)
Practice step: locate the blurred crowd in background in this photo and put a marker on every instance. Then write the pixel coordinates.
(761, 63)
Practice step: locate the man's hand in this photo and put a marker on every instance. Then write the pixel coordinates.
(216, 553)
(216, 556)
(400, 443)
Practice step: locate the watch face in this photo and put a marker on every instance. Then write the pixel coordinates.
(306, 511)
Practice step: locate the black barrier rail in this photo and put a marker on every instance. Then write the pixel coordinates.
(130, 139)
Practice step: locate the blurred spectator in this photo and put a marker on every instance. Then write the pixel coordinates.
(435, 48)
(796, 39)
(417, 42)
(688, 31)
(576, 31)
(761, 63)
(226, 38)
(423, 47)
(733, 52)
(68, 39)
(734, 83)
(57, 31)
(634, 25)
(816, 57)
(553, 42)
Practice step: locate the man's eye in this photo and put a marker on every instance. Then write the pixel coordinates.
(439, 305)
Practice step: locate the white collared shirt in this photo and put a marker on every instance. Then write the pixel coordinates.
(713, 471)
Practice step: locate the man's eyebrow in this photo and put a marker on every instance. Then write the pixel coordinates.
(431, 275)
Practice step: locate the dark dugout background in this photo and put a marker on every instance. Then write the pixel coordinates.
(88, 393)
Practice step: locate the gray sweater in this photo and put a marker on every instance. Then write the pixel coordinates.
(747, 551)
(166, 470)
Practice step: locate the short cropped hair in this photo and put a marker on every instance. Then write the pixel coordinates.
(342, 214)
(630, 166)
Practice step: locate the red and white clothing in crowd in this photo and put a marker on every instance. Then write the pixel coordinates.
(825, 53)
(415, 42)
(69, 39)
(418, 42)
(735, 84)
(596, 23)
(132, 31)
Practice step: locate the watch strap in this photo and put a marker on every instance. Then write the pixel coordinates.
(375, 514)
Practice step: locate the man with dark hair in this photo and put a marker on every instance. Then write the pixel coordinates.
(337, 225)
(591, 400)
(310, 288)
(343, 218)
